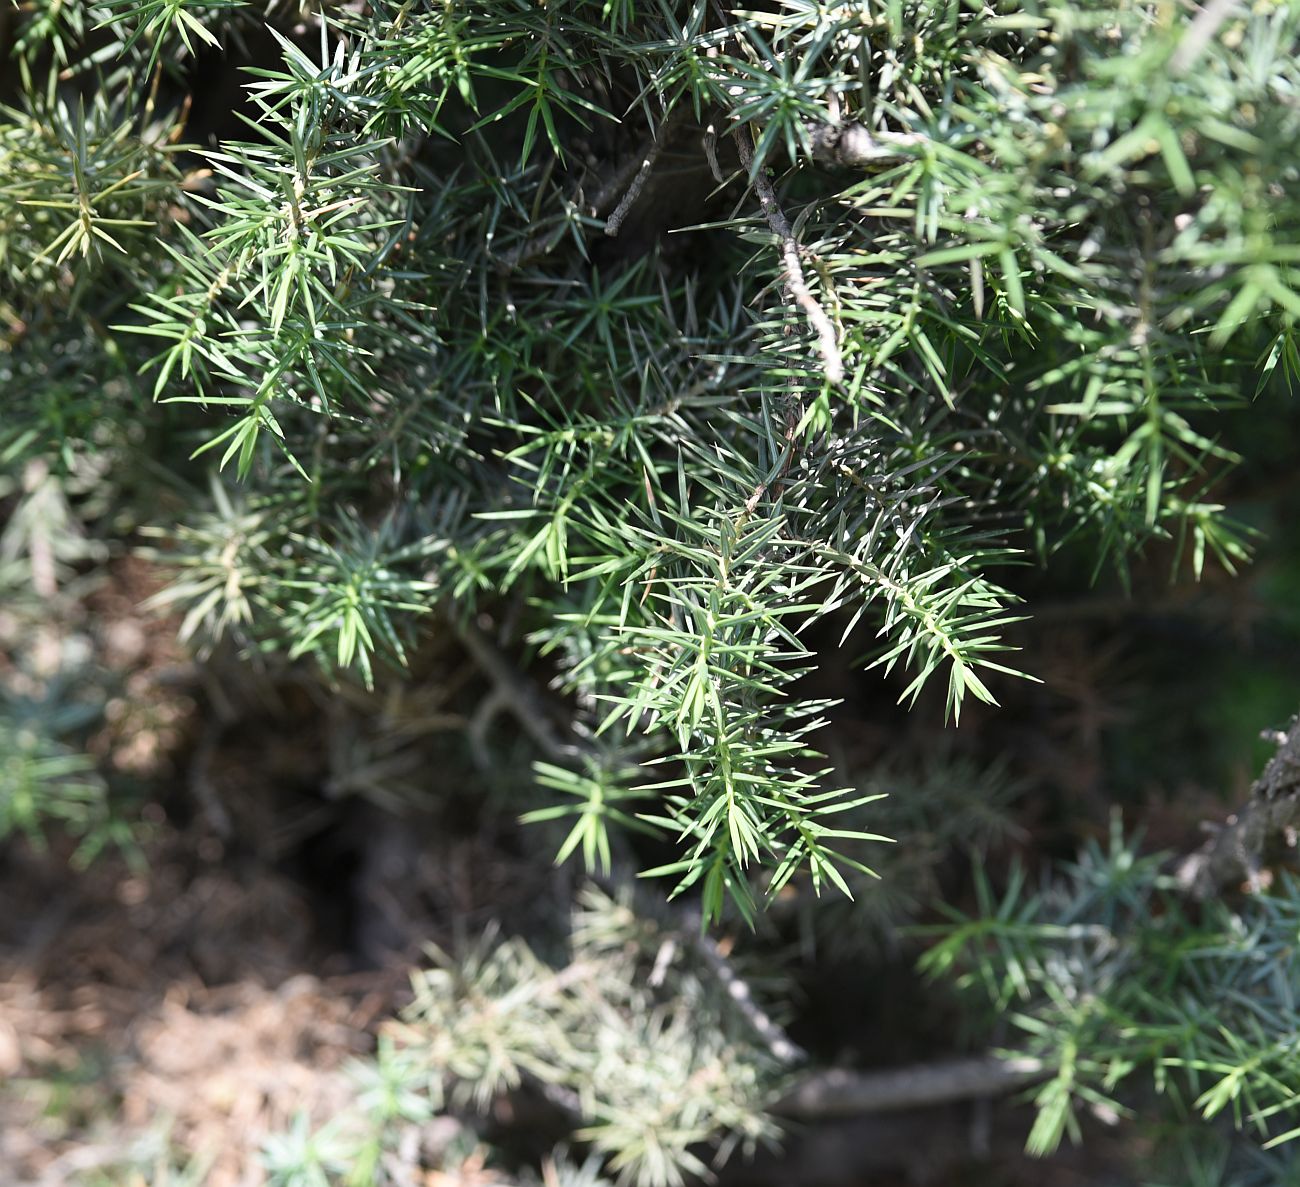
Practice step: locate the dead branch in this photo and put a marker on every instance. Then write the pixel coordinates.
(648, 155)
(537, 246)
(609, 190)
(1235, 853)
(1233, 856)
(792, 269)
(614, 223)
(843, 1093)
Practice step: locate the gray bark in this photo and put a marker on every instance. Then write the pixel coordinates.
(1234, 856)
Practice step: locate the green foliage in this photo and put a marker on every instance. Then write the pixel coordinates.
(86, 182)
(41, 780)
(646, 1050)
(664, 343)
(1112, 980)
(47, 779)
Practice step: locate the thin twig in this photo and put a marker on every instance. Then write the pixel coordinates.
(614, 223)
(710, 145)
(796, 286)
(843, 1093)
(668, 125)
(742, 996)
(511, 693)
(541, 244)
(615, 184)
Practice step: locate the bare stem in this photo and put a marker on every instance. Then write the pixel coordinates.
(739, 992)
(511, 693)
(792, 269)
(614, 223)
(843, 1093)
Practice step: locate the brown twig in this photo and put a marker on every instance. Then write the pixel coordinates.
(611, 187)
(648, 155)
(742, 997)
(792, 269)
(511, 693)
(614, 223)
(843, 1093)
(537, 246)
